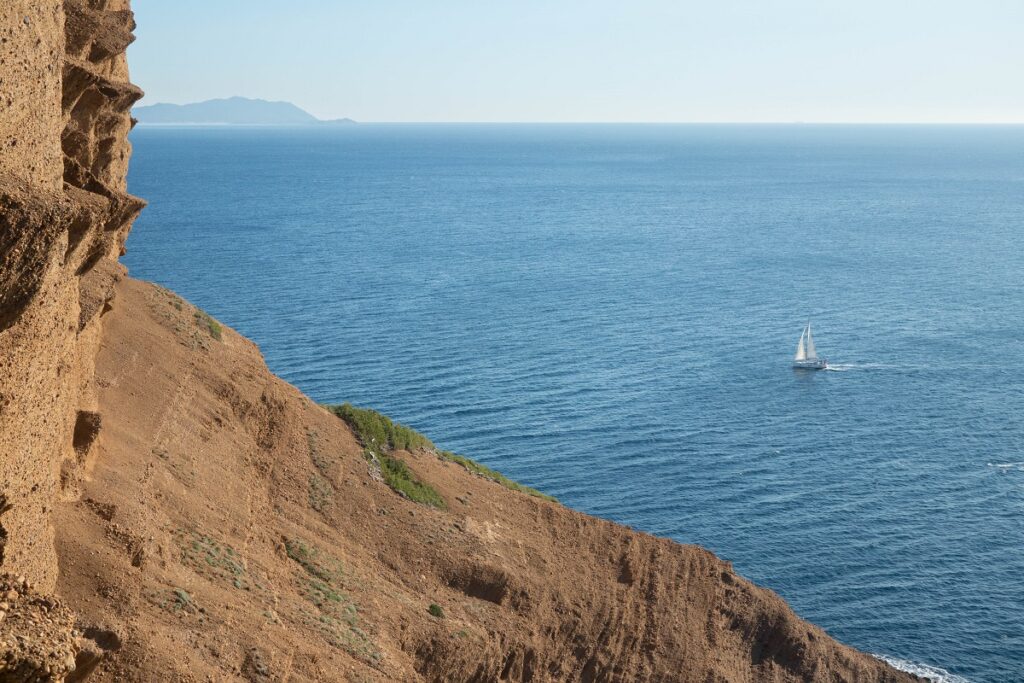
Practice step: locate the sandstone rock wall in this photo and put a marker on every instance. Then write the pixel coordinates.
(64, 215)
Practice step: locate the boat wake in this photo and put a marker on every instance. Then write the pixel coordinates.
(1004, 466)
(931, 673)
(846, 367)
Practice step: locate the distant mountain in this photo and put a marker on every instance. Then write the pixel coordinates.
(231, 111)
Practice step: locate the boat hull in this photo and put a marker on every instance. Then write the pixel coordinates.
(818, 364)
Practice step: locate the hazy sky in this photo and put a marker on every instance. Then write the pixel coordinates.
(593, 60)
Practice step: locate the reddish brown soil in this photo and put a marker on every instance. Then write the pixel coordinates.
(207, 470)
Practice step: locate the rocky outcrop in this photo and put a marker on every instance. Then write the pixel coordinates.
(37, 637)
(64, 216)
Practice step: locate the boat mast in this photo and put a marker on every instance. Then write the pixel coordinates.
(812, 353)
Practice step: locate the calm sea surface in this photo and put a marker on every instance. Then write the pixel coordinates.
(608, 313)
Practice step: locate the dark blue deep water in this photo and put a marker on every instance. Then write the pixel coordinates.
(608, 313)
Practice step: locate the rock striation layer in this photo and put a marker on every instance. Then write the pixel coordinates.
(170, 510)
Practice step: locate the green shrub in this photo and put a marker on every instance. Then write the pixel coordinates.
(325, 569)
(374, 429)
(204, 319)
(436, 611)
(316, 454)
(399, 477)
(182, 600)
(320, 492)
(210, 558)
(498, 477)
(333, 612)
(378, 433)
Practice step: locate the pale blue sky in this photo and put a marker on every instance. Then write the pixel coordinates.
(593, 60)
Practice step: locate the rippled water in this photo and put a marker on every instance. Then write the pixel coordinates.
(608, 313)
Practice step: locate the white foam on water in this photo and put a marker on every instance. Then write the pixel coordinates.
(932, 673)
(1007, 465)
(843, 367)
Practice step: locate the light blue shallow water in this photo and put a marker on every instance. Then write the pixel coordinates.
(608, 313)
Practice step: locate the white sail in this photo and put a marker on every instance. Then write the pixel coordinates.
(811, 353)
(801, 354)
(806, 354)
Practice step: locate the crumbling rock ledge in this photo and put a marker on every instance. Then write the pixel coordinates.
(37, 637)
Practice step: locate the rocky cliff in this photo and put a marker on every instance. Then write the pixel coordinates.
(169, 510)
(64, 215)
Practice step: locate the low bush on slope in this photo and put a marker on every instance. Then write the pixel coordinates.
(399, 477)
(376, 430)
(380, 435)
(487, 473)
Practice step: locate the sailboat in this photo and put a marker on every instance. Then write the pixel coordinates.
(806, 355)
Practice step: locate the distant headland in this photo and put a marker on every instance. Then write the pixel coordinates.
(232, 111)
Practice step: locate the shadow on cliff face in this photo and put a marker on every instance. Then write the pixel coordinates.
(97, 644)
(28, 233)
(4, 507)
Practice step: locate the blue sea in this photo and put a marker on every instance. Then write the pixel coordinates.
(609, 313)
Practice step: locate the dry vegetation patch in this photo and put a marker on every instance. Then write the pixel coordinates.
(331, 610)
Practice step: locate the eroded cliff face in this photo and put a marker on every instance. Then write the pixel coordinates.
(169, 510)
(64, 216)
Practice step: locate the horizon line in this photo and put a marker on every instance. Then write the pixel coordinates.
(142, 105)
(716, 123)
(608, 123)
